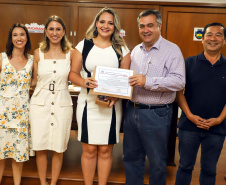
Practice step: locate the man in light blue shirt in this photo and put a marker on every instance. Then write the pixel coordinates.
(160, 72)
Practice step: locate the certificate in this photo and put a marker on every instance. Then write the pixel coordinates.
(112, 82)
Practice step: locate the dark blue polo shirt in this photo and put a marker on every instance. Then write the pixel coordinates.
(205, 91)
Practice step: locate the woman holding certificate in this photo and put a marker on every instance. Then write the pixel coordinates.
(98, 126)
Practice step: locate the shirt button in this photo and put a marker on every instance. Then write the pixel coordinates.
(51, 124)
(54, 71)
(52, 113)
(52, 103)
(53, 92)
(54, 62)
(54, 82)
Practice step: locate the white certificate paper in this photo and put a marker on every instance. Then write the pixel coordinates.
(113, 82)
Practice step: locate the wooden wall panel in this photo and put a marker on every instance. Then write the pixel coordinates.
(179, 23)
(128, 18)
(31, 13)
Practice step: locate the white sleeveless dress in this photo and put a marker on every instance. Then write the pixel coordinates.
(98, 125)
(15, 134)
(51, 105)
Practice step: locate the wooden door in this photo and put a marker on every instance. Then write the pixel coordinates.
(179, 23)
(128, 18)
(32, 12)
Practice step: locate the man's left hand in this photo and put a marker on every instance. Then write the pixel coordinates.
(137, 80)
(212, 122)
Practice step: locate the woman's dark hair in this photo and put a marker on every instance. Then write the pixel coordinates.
(9, 44)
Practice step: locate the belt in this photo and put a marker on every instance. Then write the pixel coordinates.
(147, 106)
(52, 86)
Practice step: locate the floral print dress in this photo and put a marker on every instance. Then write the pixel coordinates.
(14, 106)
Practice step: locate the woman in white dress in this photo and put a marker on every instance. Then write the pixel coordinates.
(16, 70)
(51, 104)
(98, 126)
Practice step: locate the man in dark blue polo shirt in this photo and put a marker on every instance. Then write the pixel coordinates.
(203, 120)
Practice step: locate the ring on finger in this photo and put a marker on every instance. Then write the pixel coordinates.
(87, 83)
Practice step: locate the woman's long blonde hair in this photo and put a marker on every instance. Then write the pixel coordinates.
(65, 43)
(116, 39)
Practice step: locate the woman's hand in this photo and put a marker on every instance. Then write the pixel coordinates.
(90, 83)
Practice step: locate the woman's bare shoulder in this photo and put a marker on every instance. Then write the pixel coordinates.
(36, 51)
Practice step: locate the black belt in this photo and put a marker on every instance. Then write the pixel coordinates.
(147, 106)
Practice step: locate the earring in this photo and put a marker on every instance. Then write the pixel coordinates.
(95, 33)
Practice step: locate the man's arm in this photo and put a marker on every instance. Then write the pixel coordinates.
(216, 121)
(167, 76)
(174, 80)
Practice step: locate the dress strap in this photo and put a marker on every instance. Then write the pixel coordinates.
(4, 59)
(30, 59)
(68, 55)
(2, 72)
(3, 54)
(41, 55)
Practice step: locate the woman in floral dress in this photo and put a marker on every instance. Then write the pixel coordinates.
(16, 69)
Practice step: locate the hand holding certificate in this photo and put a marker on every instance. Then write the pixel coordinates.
(112, 82)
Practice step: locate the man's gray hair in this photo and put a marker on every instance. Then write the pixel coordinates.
(151, 12)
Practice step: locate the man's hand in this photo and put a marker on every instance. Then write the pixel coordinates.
(200, 122)
(212, 122)
(137, 80)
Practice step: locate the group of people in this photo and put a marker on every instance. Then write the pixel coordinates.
(198, 84)
(44, 122)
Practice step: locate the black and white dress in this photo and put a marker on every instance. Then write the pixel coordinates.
(97, 125)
